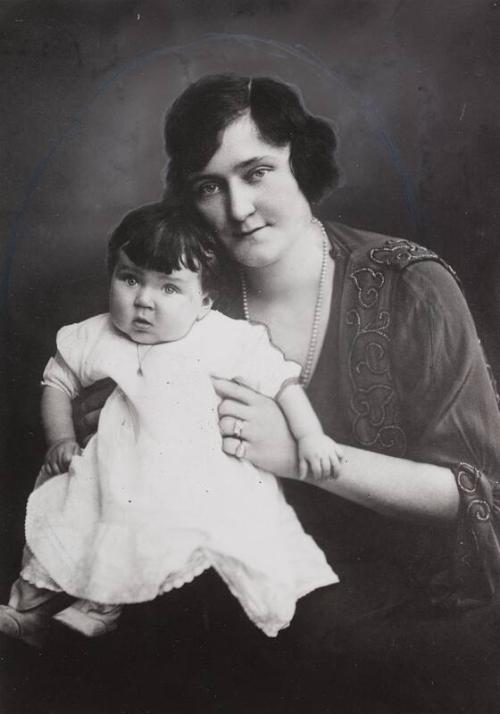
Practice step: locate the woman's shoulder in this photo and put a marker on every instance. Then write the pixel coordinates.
(379, 250)
(384, 256)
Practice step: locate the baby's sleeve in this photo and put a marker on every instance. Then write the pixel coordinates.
(263, 365)
(58, 373)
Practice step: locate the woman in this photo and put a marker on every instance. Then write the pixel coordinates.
(393, 367)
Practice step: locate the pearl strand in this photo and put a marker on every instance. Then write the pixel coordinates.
(306, 373)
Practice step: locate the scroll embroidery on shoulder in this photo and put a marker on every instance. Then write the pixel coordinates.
(400, 253)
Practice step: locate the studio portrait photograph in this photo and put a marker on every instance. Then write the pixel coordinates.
(250, 356)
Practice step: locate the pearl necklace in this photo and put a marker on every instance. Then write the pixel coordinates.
(306, 373)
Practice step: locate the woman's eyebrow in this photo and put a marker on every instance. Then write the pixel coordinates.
(242, 165)
(254, 160)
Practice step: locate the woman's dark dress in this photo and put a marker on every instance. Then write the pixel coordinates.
(414, 625)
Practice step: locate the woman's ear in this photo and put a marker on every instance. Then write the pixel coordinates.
(206, 306)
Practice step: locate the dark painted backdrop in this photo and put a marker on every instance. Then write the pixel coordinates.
(412, 88)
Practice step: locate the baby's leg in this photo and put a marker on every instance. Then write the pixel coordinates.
(91, 619)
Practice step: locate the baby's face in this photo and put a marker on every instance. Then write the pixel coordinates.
(152, 307)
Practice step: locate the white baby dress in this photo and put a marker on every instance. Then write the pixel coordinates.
(153, 501)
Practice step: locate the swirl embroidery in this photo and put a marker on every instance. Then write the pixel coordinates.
(368, 283)
(467, 478)
(479, 509)
(400, 253)
(374, 402)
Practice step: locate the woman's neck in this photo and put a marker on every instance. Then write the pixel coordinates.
(295, 272)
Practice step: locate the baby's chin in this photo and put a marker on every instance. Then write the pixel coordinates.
(142, 338)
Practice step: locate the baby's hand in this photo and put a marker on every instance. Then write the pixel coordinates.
(318, 454)
(58, 457)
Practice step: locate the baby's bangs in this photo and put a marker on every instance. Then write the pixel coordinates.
(167, 249)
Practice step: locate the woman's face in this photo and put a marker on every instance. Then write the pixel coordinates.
(249, 195)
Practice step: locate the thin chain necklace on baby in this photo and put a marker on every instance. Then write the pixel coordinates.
(140, 360)
(306, 373)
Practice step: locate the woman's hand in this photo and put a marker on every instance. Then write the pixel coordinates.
(254, 427)
(87, 408)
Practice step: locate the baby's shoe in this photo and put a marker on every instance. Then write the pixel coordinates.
(91, 619)
(30, 626)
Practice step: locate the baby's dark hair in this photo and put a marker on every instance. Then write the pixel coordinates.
(164, 237)
(196, 119)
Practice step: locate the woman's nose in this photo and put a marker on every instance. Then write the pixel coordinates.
(144, 298)
(240, 202)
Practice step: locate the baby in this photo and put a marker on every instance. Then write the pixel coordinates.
(152, 501)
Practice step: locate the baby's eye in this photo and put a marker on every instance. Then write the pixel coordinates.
(129, 280)
(170, 289)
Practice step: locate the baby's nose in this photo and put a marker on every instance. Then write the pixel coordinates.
(144, 298)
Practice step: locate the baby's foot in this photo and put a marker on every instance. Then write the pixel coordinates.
(90, 618)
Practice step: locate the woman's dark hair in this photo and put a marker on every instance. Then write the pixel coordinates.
(164, 237)
(196, 119)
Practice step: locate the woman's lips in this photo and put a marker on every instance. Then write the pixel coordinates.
(246, 234)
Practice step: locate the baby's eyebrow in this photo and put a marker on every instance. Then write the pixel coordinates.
(124, 267)
(171, 278)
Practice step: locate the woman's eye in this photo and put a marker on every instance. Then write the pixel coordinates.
(170, 289)
(258, 173)
(205, 190)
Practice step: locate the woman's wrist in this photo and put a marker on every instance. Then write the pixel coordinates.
(287, 460)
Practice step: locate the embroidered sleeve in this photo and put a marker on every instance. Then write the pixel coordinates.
(451, 418)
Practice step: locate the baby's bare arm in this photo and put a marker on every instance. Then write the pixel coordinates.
(57, 421)
(317, 453)
(57, 415)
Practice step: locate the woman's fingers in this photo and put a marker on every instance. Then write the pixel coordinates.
(234, 410)
(229, 389)
(233, 426)
(234, 447)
